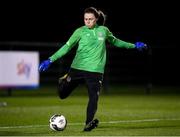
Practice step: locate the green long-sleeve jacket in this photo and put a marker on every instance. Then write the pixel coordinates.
(91, 51)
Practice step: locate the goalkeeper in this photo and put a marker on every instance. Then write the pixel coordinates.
(89, 61)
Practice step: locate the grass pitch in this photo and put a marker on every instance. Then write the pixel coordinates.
(27, 114)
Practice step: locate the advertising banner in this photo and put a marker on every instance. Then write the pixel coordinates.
(19, 69)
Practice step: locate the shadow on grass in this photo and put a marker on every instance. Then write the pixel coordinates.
(9, 133)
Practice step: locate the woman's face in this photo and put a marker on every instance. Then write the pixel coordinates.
(89, 20)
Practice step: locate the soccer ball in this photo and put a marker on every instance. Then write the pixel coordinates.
(57, 122)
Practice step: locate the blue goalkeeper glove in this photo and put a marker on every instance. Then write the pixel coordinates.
(44, 65)
(140, 46)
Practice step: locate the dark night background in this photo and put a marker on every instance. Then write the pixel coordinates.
(155, 23)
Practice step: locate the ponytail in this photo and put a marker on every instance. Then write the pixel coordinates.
(101, 18)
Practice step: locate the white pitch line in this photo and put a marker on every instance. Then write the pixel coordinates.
(108, 122)
(138, 121)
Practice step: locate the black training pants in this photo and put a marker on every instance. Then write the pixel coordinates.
(93, 81)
